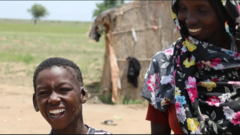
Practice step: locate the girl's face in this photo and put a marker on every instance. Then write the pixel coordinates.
(200, 19)
(59, 96)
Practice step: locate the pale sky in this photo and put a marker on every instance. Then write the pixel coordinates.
(58, 10)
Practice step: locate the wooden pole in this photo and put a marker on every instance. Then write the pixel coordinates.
(106, 76)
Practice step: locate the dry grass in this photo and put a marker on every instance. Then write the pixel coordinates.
(24, 46)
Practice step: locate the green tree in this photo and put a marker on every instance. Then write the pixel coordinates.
(106, 4)
(37, 12)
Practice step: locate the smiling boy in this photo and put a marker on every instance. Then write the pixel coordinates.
(59, 95)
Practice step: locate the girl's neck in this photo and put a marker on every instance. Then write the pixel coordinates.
(225, 43)
(221, 39)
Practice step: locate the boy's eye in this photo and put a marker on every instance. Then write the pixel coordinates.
(43, 93)
(65, 89)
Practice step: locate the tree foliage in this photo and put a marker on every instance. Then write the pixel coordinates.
(37, 12)
(105, 5)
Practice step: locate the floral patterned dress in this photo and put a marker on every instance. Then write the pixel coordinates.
(215, 89)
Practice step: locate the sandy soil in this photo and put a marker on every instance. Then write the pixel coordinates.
(18, 116)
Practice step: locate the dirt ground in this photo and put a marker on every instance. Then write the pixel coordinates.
(17, 115)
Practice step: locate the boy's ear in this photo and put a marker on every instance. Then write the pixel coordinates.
(35, 103)
(83, 95)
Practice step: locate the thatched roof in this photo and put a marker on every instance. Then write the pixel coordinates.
(107, 17)
(101, 20)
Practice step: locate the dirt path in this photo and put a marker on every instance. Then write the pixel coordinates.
(17, 115)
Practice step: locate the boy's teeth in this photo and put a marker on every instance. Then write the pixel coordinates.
(56, 111)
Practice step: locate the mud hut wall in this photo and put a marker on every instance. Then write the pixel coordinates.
(128, 91)
(125, 46)
(159, 14)
(127, 17)
(140, 16)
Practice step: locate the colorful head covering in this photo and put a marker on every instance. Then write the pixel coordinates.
(207, 100)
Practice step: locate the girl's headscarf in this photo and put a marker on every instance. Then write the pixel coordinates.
(207, 99)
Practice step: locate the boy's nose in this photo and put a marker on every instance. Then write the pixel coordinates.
(54, 98)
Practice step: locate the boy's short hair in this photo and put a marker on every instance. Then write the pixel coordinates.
(60, 62)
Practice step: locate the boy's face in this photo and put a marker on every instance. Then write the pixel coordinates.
(59, 96)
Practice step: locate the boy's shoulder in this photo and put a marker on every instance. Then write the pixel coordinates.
(92, 130)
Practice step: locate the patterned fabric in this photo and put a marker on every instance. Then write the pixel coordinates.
(159, 86)
(92, 131)
(206, 99)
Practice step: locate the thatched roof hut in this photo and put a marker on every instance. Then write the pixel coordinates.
(138, 29)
